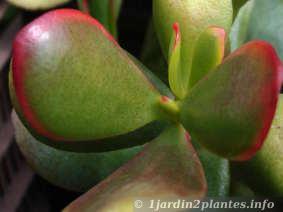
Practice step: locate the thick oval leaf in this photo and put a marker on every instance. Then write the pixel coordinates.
(37, 4)
(193, 16)
(133, 138)
(267, 164)
(168, 167)
(72, 171)
(105, 11)
(231, 110)
(74, 83)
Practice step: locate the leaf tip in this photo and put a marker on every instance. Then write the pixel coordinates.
(177, 38)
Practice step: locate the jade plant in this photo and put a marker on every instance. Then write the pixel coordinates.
(81, 97)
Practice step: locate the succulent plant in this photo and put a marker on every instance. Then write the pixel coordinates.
(76, 90)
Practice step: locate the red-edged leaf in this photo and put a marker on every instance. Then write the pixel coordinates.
(231, 110)
(168, 167)
(73, 82)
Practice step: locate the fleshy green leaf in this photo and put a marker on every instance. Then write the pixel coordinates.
(193, 16)
(231, 110)
(69, 78)
(72, 171)
(176, 79)
(168, 167)
(105, 11)
(267, 164)
(208, 53)
(37, 4)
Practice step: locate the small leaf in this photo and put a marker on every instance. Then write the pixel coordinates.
(69, 79)
(168, 167)
(177, 80)
(208, 53)
(64, 168)
(37, 4)
(267, 164)
(230, 111)
(193, 17)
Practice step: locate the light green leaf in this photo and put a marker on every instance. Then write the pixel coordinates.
(193, 16)
(176, 79)
(208, 53)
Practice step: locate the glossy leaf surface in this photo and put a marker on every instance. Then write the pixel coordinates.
(168, 167)
(69, 78)
(72, 171)
(193, 16)
(231, 110)
(267, 164)
(37, 4)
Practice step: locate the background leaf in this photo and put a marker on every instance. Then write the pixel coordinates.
(72, 171)
(267, 164)
(259, 19)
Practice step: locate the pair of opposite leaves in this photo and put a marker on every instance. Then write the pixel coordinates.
(263, 50)
(73, 84)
